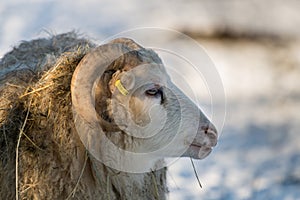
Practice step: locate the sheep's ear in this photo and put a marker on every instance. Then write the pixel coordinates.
(128, 80)
(122, 81)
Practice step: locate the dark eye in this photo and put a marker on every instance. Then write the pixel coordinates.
(156, 92)
(152, 92)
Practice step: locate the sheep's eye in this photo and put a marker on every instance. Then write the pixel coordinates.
(152, 92)
(156, 92)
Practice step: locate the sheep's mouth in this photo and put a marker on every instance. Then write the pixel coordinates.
(202, 144)
(197, 151)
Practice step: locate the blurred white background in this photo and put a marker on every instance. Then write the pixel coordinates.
(256, 48)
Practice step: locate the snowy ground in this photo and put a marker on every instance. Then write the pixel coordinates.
(258, 155)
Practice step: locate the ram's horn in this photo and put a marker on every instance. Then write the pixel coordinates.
(86, 75)
(127, 42)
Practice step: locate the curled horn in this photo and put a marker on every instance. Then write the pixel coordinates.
(85, 77)
(94, 71)
(127, 42)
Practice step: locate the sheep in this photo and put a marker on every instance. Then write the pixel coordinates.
(80, 121)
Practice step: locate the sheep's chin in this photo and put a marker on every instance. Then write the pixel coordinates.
(197, 152)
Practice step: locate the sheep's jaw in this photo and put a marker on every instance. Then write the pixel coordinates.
(197, 152)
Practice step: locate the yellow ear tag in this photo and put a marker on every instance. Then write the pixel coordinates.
(121, 88)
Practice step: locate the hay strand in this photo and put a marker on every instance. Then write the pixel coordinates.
(72, 194)
(5, 138)
(196, 173)
(107, 187)
(34, 91)
(28, 138)
(17, 152)
(13, 85)
(155, 185)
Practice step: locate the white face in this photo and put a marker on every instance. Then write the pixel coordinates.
(159, 116)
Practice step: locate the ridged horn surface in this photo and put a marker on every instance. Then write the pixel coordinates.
(86, 75)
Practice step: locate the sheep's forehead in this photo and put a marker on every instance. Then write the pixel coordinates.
(150, 72)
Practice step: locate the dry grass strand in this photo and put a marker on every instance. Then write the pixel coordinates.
(196, 174)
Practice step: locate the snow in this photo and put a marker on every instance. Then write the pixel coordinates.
(258, 154)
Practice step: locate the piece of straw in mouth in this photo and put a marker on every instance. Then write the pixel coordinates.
(196, 173)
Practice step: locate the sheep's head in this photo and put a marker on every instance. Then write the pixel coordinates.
(125, 101)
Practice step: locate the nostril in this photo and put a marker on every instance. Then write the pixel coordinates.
(206, 128)
(209, 128)
(207, 135)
